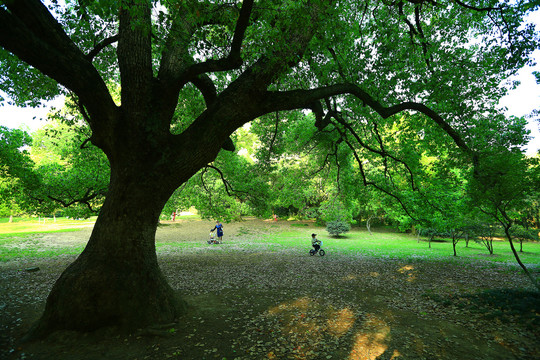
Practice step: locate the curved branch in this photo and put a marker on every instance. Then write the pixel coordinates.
(470, 7)
(380, 152)
(29, 31)
(85, 199)
(423, 41)
(303, 99)
(205, 188)
(103, 44)
(206, 87)
(371, 183)
(228, 186)
(274, 136)
(233, 60)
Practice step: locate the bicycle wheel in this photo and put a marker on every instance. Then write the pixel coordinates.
(321, 252)
(311, 252)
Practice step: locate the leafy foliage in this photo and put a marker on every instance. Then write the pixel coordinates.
(17, 180)
(74, 178)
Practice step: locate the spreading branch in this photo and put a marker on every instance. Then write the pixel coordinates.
(470, 7)
(85, 199)
(228, 187)
(100, 46)
(304, 99)
(29, 31)
(233, 60)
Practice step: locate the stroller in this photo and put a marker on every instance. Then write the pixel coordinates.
(213, 239)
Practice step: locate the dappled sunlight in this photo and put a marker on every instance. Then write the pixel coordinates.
(406, 268)
(306, 328)
(340, 322)
(371, 342)
(409, 271)
(298, 304)
(352, 277)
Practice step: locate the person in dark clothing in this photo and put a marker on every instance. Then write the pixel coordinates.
(315, 242)
(219, 228)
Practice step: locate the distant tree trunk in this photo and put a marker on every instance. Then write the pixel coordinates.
(368, 224)
(489, 245)
(116, 280)
(11, 218)
(466, 240)
(507, 227)
(455, 240)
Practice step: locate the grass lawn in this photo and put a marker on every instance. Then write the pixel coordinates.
(30, 237)
(42, 225)
(294, 235)
(407, 247)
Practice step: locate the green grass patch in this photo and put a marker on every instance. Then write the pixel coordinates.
(43, 225)
(382, 244)
(5, 220)
(36, 252)
(406, 247)
(21, 236)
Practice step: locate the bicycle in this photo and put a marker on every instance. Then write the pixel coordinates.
(321, 252)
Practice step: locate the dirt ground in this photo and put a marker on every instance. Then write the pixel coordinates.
(253, 300)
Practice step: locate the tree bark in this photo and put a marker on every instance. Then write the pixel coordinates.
(116, 280)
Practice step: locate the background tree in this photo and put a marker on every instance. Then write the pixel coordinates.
(500, 190)
(17, 178)
(74, 173)
(355, 64)
(523, 235)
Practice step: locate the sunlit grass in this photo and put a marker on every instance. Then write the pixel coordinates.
(16, 253)
(42, 225)
(407, 247)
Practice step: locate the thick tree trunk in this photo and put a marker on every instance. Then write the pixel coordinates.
(116, 281)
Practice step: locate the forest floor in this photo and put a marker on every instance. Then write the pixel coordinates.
(250, 299)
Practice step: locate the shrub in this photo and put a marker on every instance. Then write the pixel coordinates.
(337, 227)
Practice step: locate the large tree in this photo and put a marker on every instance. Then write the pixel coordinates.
(191, 72)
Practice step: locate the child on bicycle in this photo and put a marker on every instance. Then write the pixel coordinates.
(315, 242)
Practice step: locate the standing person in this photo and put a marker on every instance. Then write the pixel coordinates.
(315, 242)
(219, 228)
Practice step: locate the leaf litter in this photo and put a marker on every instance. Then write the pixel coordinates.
(254, 300)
